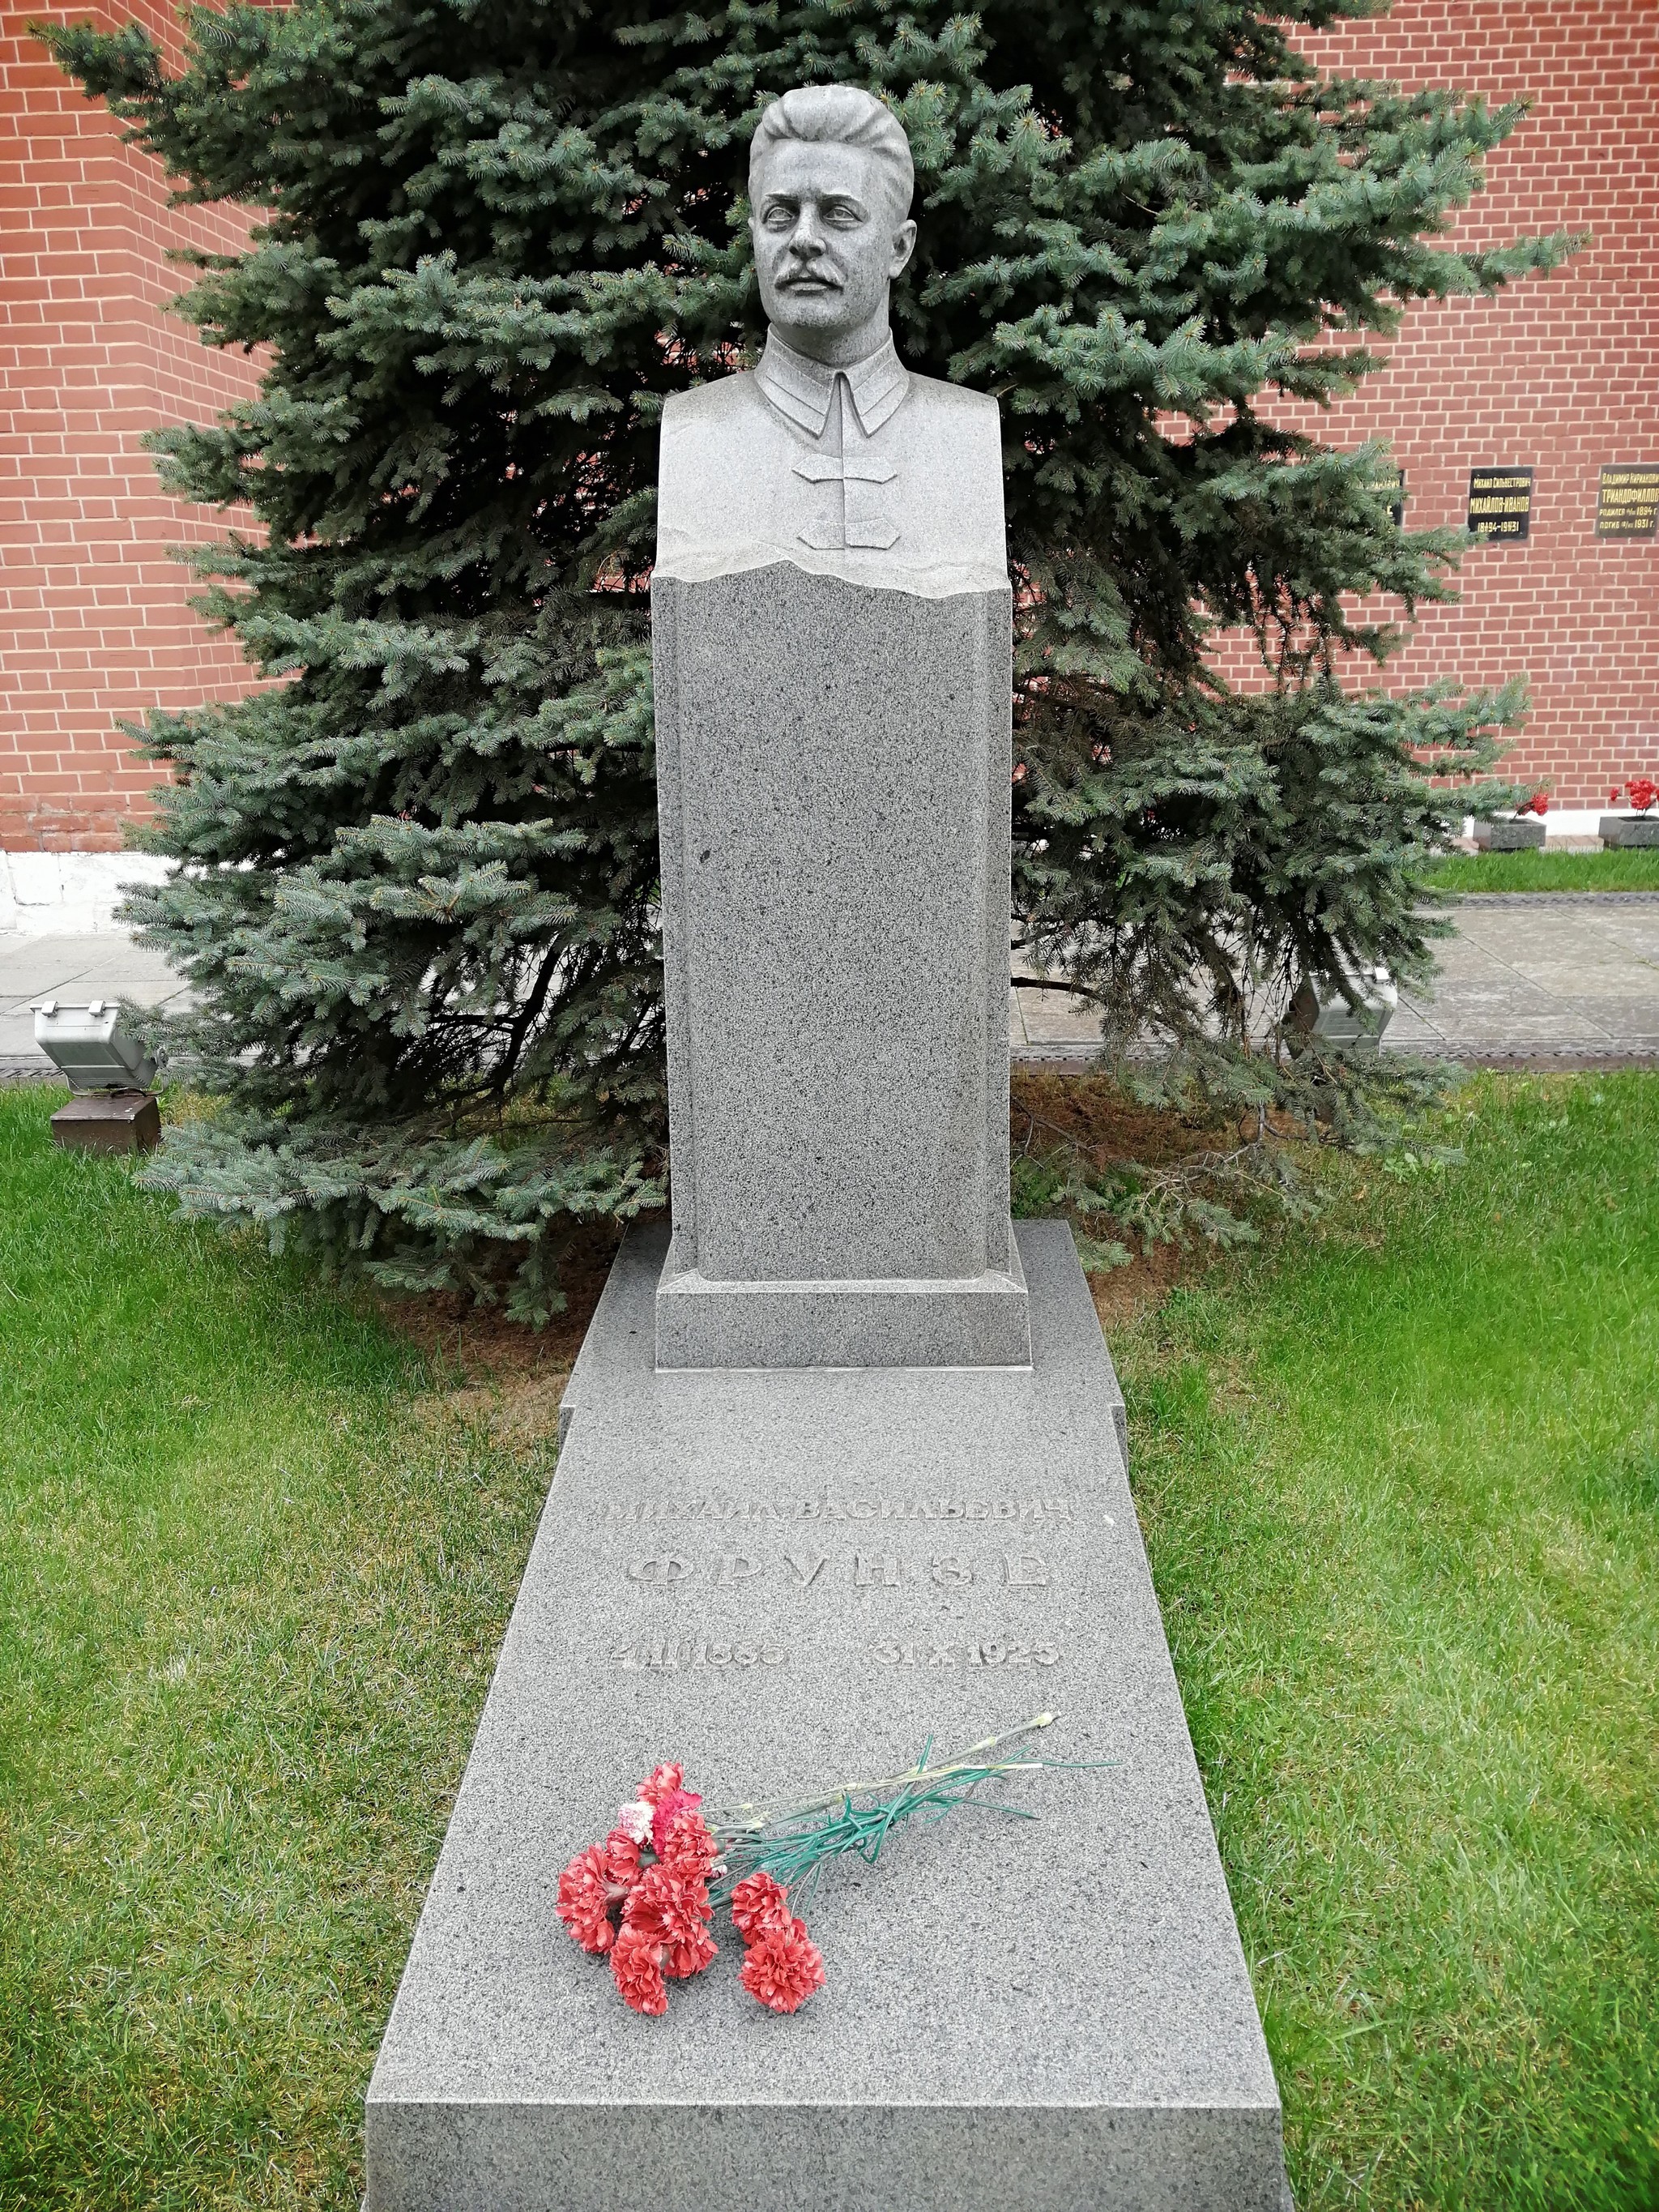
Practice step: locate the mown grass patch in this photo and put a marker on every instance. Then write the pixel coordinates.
(251, 1589)
(1398, 1470)
(1400, 1482)
(1635, 869)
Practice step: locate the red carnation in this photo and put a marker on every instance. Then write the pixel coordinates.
(669, 1806)
(681, 1960)
(587, 1893)
(621, 1858)
(758, 1903)
(635, 1967)
(783, 1967)
(686, 1847)
(663, 1779)
(667, 1909)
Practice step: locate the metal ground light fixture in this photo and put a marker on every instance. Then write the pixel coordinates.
(110, 1072)
(1356, 1027)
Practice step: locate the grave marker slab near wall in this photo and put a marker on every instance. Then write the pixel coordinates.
(1627, 500)
(1500, 504)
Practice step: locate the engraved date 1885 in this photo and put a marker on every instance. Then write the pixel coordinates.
(944, 1651)
(674, 1653)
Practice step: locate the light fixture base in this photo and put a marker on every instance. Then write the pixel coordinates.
(109, 1121)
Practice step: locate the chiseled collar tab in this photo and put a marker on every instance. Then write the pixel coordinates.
(802, 389)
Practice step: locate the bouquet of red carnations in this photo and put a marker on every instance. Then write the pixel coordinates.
(645, 1898)
(653, 1869)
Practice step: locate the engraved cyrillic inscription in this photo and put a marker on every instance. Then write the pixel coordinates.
(658, 1572)
(673, 1654)
(870, 1567)
(769, 1512)
(803, 1571)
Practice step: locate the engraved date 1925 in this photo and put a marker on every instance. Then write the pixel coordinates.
(942, 1651)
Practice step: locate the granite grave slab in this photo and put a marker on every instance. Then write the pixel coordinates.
(786, 1579)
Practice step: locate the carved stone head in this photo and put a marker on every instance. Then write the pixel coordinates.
(830, 180)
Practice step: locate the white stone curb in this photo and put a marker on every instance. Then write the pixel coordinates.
(72, 893)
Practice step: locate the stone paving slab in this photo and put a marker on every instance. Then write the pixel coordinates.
(794, 1575)
(1542, 975)
(107, 966)
(1551, 976)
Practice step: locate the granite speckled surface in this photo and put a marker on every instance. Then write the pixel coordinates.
(785, 1579)
(834, 780)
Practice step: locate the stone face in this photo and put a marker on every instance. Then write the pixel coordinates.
(834, 771)
(788, 1579)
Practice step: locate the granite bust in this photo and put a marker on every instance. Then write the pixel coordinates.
(831, 639)
(831, 454)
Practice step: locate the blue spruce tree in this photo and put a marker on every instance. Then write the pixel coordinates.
(418, 868)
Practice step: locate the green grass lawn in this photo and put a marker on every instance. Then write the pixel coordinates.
(1400, 1483)
(1401, 1488)
(250, 1597)
(1636, 870)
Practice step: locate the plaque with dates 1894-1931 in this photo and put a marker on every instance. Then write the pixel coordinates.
(1500, 504)
(1627, 499)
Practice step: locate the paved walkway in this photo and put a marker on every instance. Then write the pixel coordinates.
(76, 968)
(1543, 976)
(1539, 976)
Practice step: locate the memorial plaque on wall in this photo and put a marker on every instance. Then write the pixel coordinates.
(1391, 483)
(1627, 499)
(1500, 503)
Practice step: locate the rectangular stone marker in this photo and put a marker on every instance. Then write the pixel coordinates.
(1500, 504)
(837, 960)
(786, 1580)
(1627, 499)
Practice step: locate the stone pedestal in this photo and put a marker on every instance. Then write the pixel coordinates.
(1504, 836)
(785, 1580)
(834, 766)
(109, 1121)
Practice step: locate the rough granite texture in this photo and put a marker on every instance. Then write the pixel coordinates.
(834, 765)
(785, 1579)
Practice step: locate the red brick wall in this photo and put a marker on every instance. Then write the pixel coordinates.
(94, 620)
(1560, 373)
